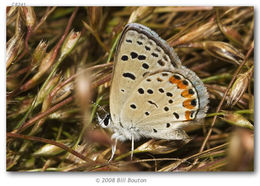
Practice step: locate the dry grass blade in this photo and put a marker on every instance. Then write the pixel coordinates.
(59, 63)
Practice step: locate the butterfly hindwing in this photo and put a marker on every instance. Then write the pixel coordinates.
(162, 103)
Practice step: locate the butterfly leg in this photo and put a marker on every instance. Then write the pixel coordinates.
(113, 149)
(132, 146)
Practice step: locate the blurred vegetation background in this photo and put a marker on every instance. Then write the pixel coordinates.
(58, 68)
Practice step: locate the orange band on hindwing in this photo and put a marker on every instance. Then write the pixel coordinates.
(173, 80)
(190, 103)
(176, 79)
(182, 84)
(186, 94)
(187, 115)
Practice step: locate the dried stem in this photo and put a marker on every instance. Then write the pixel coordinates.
(223, 99)
(43, 140)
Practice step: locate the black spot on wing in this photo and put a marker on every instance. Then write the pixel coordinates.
(192, 114)
(155, 54)
(133, 106)
(124, 58)
(191, 91)
(159, 79)
(177, 77)
(152, 103)
(147, 48)
(176, 115)
(165, 74)
(144, 74)
(147, 113)
(161, 90)
(141, 37)
(158, 50)
(145, 65)
(160, 62)
(150, 91)
(193, 102)
(185, 82)
(169, 94)
(141, 57)
(133, 55)
(141, 91)
(165, 58)
(129, 75)
(139, 42)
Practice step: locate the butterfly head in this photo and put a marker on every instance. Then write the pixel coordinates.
(104, 122)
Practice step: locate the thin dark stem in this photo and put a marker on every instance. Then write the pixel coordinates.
(43, 114)
(64, 35)
(48, 12)
(43, 140)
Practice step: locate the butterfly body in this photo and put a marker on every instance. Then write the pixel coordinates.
(152, 95)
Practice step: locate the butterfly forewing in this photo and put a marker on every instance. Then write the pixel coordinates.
(139, 53)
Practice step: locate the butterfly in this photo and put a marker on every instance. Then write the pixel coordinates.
(152, 94)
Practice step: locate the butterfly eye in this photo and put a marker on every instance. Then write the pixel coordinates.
(104, 122)
(107, 120)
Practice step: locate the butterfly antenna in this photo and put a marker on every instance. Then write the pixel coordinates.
(100, 107)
